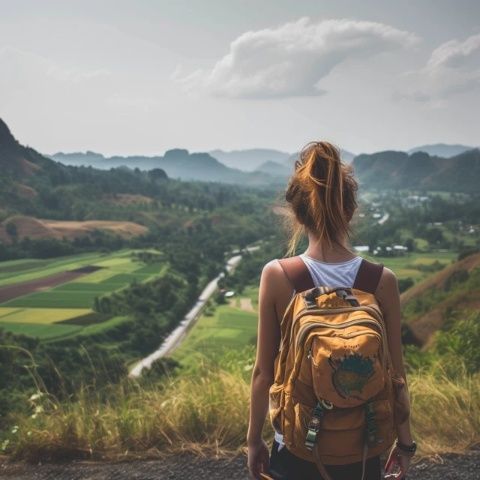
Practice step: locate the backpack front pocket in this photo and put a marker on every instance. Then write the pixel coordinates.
(347, 368)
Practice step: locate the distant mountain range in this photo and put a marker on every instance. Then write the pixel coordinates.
(180, 164)
(399, 170)
(251, 159)
(387, 169)
(251, 166)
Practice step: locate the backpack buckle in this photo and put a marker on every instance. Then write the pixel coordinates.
(315, 422)
(311, 296)
(346, 294)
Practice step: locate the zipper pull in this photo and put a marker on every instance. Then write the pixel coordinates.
(309, 354)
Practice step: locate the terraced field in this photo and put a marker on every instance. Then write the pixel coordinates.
(46, 299)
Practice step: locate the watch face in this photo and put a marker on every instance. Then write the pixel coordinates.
(408, 448)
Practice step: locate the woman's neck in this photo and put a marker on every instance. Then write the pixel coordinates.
(319, 251)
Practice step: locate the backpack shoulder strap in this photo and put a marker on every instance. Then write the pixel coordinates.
(368, 276)
(297, 272)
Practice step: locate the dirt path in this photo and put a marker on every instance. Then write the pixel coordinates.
(246, 304)
(448, 467)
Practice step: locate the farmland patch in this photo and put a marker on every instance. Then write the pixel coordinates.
(42, 315)
(18, 290)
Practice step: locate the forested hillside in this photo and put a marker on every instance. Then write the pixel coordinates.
(419, 170)
(106, 208)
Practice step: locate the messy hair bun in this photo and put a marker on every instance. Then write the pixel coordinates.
(321, 195)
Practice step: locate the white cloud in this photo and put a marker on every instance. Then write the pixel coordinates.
(453, 67)
(292, 59)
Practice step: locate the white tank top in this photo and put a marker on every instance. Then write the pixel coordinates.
(337, 274)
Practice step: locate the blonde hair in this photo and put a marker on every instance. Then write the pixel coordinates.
(321, 196)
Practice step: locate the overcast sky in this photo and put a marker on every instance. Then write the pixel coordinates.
(139, 76)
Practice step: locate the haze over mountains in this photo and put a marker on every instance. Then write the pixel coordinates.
(388, 169)
(221, 165)
(249, 159)
(441, 150)
(177, 163)
(450, 171)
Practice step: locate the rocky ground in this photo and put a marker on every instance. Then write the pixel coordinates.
(446, 467)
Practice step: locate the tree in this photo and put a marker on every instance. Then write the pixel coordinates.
(11, 229)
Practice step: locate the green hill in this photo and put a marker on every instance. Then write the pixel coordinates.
(399, 170)
(429, 305)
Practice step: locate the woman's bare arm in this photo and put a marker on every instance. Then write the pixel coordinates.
(274, 294)
(388, 296)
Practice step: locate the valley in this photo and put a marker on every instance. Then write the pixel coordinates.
(105, 271)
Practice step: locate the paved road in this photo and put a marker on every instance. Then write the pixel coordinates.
(384, 218)
(176, 336)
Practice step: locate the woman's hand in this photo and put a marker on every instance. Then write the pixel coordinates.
(397, 464)
(258, 459)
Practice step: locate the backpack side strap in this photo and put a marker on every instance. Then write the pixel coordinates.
(368, 276)
(297, 272)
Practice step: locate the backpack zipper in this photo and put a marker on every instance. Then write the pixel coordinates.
(310, 325)
(332, 311)
(351, 335)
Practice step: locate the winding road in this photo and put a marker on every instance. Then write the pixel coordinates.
(176, 336)
(384, 218)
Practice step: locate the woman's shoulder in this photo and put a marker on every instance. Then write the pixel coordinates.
(387, 286)
(273, 268)
(274, 274)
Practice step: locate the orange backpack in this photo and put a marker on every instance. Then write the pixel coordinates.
(333, 396)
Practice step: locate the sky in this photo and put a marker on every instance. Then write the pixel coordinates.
(142, 76)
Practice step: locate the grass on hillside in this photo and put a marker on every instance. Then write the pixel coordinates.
(206, 411)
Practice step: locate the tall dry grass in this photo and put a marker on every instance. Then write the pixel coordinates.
(445, 409)
(206, 411)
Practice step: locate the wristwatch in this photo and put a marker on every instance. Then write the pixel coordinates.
(412, 448)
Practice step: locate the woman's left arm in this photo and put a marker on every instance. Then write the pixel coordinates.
(268, 338)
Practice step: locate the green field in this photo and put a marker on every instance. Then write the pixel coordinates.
(408, 265)
(229, 327)
(17, 271)
(43, 313)
(39, 315)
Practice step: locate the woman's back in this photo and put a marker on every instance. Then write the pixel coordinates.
(334, 274)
